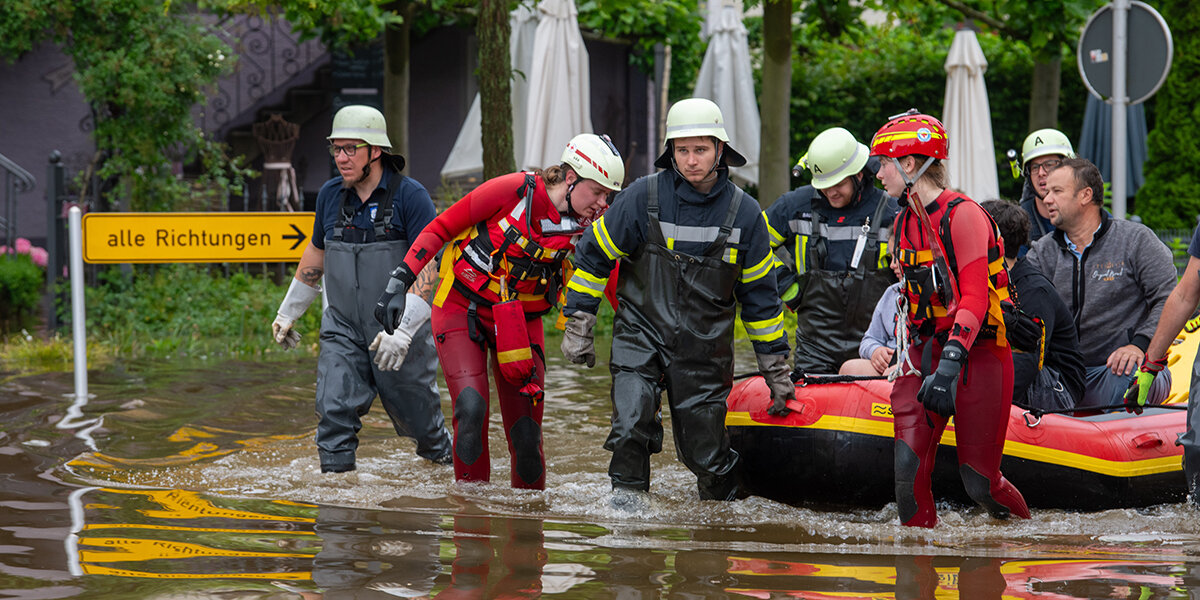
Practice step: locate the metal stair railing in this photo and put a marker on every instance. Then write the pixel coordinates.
(16, 181)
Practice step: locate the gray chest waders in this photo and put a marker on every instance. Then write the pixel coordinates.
(675, 329)
(347, 378)
(837, 305)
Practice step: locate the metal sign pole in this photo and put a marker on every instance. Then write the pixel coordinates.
(77, 310)
(1120, 100)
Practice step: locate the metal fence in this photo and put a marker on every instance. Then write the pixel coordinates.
(16, 181)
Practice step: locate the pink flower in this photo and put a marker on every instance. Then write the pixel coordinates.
(23, 246)
(39, 256)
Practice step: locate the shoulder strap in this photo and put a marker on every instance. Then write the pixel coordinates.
(944, 231)
(654, 231)
(735, 204)
(383, 216)
(346, 216)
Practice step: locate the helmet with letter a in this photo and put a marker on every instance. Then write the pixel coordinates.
(833, 156)
(1045, 142)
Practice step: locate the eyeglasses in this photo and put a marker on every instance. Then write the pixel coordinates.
(348, 149)
(1046, 166)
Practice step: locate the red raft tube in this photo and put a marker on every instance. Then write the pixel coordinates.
(836, 448)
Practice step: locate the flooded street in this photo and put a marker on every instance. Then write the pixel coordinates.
(199, 479)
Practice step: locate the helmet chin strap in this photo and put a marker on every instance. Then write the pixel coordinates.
(571, 208)
(716, 163)
(909, 182)
(366, 170)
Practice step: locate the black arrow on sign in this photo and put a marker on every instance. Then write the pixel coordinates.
(299, 237)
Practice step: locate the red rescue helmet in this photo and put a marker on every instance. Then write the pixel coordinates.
(911, 133)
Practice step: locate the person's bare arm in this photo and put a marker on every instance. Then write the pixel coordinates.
(1178, 309)
(426, 282)
(312, 266)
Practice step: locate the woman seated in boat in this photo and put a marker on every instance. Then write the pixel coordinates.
(877, 350)
(954, 285)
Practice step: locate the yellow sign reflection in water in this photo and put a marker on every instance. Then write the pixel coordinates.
(98, 554)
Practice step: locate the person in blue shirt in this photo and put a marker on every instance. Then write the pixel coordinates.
(692, 246)
(366, 218)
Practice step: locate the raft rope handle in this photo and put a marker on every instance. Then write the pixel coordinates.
(1038, 413)
(820, 379)
(1037, 419)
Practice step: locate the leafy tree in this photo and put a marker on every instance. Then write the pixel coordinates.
(343, 23)
(1046, 27)
(495, 88)
(143, 66)
(776, 80)
(1170, 198)
(871, 73)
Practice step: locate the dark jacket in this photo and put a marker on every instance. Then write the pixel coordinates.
(1038, 298)
(790, 219)
(690, 221)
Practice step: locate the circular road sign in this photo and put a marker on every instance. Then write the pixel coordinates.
(1148, 59)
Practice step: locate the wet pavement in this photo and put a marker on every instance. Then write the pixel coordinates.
(200, 480)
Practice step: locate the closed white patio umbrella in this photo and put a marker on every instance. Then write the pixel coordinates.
(727, 79)
(968, 120)
(466, 157)
(559, 105)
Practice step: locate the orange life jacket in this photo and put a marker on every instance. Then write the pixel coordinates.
(511, 257)
(926, 309)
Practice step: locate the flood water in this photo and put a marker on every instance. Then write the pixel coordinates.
(199, 479)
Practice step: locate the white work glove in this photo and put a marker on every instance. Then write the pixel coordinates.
(391, 350)
(299, 296)
(578, 343)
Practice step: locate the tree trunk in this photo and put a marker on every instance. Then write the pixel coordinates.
(397, 51)
(1043, 97)
(774, 161)
(495, 96)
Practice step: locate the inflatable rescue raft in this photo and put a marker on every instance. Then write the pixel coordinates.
(836, 445)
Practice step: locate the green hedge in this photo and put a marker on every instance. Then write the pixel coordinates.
(1170, 198)
(859, 83)
(189, 310)
(20, 291)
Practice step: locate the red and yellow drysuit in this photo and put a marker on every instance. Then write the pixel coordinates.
(500, 274)
(974, 254)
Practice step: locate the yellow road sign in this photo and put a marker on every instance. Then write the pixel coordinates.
(195, 237)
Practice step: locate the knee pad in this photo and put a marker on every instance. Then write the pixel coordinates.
(907, 465)
(470, 414)
(979, 488)
(526, 437)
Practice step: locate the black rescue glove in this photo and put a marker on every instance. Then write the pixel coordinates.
(389, 309)
(778, 374)
(939, 389)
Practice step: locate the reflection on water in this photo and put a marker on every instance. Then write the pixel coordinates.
(202, 482)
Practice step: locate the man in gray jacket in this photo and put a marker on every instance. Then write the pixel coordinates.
(1114, 275)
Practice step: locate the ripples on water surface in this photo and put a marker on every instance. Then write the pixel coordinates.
(201, 481)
